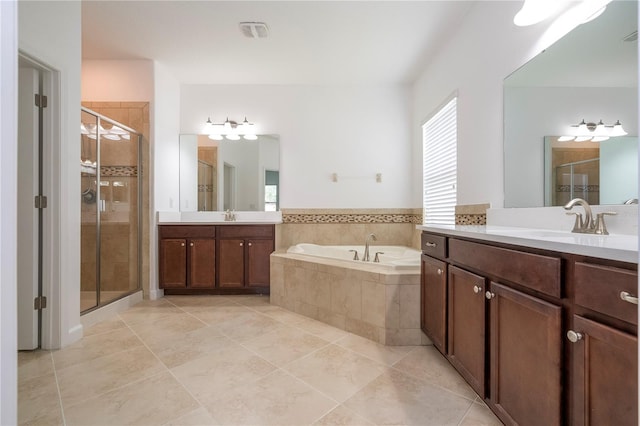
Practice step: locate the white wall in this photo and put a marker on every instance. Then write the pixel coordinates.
(50, 32)
(473, 62)
(8, 219)
(355, 132)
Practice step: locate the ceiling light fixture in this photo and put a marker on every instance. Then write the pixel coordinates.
(231, 130)
(595, 132)
(114, 133)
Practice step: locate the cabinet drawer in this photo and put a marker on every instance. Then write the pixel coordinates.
(186, 231)
(434, 245)
(598, 287)
(537, 272)
(246, 231)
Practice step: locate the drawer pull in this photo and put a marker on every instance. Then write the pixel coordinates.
(477, 289)
(439, 271)
(430, 244)
(627, 297)
(574, 336)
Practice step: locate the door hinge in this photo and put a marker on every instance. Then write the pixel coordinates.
(41, 101)
(41, 202)
(39, 302)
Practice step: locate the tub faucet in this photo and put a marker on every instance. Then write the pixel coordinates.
(365, 256)
(587, 226)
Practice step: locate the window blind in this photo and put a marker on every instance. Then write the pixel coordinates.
(439, 166)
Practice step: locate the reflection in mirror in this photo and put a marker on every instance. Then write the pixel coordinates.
(591, 74)
(238, 175)
(603, 172)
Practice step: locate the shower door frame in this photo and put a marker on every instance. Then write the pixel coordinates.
(100, 118)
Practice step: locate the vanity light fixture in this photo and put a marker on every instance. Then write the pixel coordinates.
(595, 132)
(231, 130)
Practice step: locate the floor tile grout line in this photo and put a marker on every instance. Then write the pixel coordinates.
(55, 375)
(170, 373)
(465, 413)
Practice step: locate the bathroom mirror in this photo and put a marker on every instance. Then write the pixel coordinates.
(591, 74)
(242, 175)
(604, 172)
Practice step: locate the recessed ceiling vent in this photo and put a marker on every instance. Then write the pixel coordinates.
(631, 37)
(254, 29)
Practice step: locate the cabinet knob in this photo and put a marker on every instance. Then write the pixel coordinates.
(477, 289)
(430, 244)
(574, 336)
(627, 297)
(191, 244)
(182, 244)
(489, 295)
(250, 244)
(439, 271)
(241, 244)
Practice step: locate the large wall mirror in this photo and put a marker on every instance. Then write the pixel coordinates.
(591, 74)
(241, 175)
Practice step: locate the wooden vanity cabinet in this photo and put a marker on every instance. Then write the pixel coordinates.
(243, 256)
(187, 256)
(215, 259)
(466, 326)
(433, 290)
(603, 344)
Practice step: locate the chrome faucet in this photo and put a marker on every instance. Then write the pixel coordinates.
(229, 216)
(581, 226)
(365, 256)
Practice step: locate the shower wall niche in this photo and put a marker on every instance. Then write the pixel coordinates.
(111, 214)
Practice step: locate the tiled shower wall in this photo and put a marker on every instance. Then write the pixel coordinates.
(136, 116)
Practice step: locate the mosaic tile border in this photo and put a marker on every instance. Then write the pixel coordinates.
(308, 218)
(578, 188)
(471, 219)
(119, 171)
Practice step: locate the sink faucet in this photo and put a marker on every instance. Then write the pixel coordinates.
(587, 226)
(365, 256)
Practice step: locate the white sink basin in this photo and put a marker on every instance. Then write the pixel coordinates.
(614, 241)
(246, 217)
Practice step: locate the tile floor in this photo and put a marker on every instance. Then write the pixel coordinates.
(237, 360)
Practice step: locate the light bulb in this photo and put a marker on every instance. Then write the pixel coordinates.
(618, 130)
(250, 137)
(566, 138)
(215, 137)
(232, 137)
(599, 138)
(583, 138)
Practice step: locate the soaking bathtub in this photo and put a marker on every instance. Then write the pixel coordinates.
(392, 257)
(376, 300)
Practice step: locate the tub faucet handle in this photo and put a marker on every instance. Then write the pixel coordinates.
(355, 254)
(376, 259)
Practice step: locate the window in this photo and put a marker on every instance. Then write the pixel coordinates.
(439, 166)
(271, 196)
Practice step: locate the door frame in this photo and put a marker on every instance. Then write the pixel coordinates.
(51, 159)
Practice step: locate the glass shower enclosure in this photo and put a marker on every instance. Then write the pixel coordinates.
(111, 194)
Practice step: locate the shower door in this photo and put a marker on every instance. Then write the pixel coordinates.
(111, 194)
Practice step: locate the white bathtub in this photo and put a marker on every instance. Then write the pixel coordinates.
(392, 257)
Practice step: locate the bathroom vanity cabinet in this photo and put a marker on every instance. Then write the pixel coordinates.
(508, 311)
(215, 259)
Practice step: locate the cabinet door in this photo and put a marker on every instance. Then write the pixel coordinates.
(173, 263)
(433, 297)
(525, 357)
(605, 374)
(466, 339)
(202, 261)
(258, 252)
(231, 263)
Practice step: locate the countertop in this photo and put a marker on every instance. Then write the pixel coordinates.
(217, 218)
(618, 247)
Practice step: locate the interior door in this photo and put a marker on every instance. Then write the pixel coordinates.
(28, 188)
